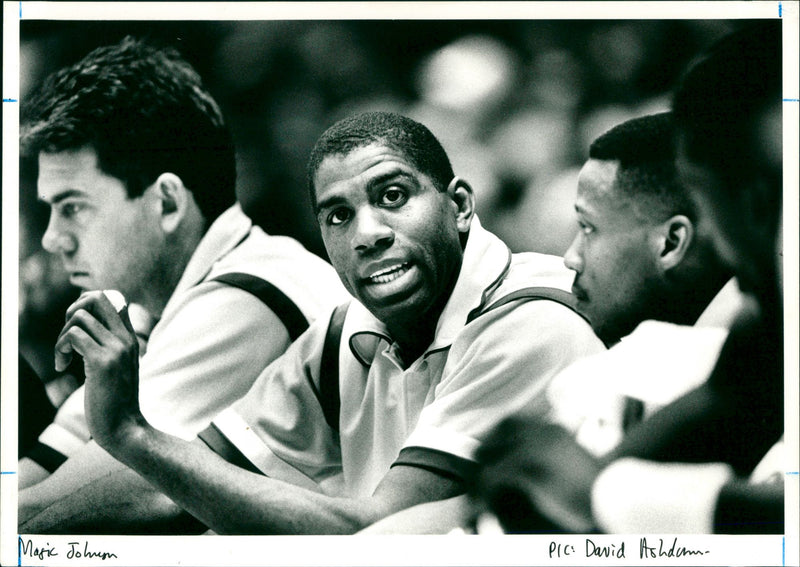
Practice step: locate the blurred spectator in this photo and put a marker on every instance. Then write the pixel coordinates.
(461, 87)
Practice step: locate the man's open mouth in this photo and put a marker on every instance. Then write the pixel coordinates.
(388, 274)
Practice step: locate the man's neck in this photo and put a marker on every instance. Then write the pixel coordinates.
(413, 339)
(161, 284)
(416, 333)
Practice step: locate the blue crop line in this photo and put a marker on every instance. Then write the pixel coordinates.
(780, 9)
(8, 472)
(10, 100)
(791, 100)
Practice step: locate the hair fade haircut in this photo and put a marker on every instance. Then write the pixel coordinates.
(400, 133)
(645, 149)
(144, 111)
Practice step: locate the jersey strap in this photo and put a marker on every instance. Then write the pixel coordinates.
(285, 309)
(218, 443)
(533, 293)
(328, 393)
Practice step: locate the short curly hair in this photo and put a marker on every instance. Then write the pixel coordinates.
(395, 131)
(145, 111)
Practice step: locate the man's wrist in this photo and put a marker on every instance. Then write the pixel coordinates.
(127, 437)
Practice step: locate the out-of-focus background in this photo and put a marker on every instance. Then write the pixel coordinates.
(515, 104)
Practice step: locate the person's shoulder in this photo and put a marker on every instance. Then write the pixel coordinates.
(532, 275)
(533, 269)
(535, 295)
(276, 258)
(262, 246)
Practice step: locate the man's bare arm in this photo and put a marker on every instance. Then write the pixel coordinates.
(29, 472)
(231, 500)
(224, 497)
(94, 493)
(440, 517)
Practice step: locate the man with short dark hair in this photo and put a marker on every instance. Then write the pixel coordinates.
(444, 336)
(640, 265)
(725, 438)
(138, 168)
(710, 461)
(637, 255)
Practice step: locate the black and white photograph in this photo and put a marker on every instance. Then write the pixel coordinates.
(479, 283)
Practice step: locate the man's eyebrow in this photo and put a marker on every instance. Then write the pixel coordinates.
(372, 184)
(328, 202)
(61, 196)
(388, 176)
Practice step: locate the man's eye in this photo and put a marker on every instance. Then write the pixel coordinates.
(585, 228)
(69, 210)
(338, 216)
(392, 197)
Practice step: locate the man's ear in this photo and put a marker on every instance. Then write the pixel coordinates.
(675, 237)
(463, 197)
(173, 201)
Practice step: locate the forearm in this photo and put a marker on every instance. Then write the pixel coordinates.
(439, 517)
(114, 512)
(94, 493)
(638, 496)
(231, 500)
(29, 473)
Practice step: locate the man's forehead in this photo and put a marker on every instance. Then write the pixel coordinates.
(362, 166)
(57, 173)
(598, 174)
(368, 155)
(596, 181)
(599, 191)
(68, 173)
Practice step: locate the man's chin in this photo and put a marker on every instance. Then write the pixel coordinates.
(401, 308)
(82, 282)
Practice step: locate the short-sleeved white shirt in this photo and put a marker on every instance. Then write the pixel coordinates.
(212, 339)
(654, 365)
(432, 414)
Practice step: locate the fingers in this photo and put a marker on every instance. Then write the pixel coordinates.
(98, 304)
(79, 333)
(116, 299)
(74, 339)
(63, 356)
(95, 315)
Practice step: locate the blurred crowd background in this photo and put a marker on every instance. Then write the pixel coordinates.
(515, 103)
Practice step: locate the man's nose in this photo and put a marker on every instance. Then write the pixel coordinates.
(371, 231)
(572, 257)
(55, 240)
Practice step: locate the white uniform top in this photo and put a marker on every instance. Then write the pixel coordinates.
(432, 414)
(656, 364)
(213, 339)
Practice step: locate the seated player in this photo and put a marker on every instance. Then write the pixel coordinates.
(138, 169)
